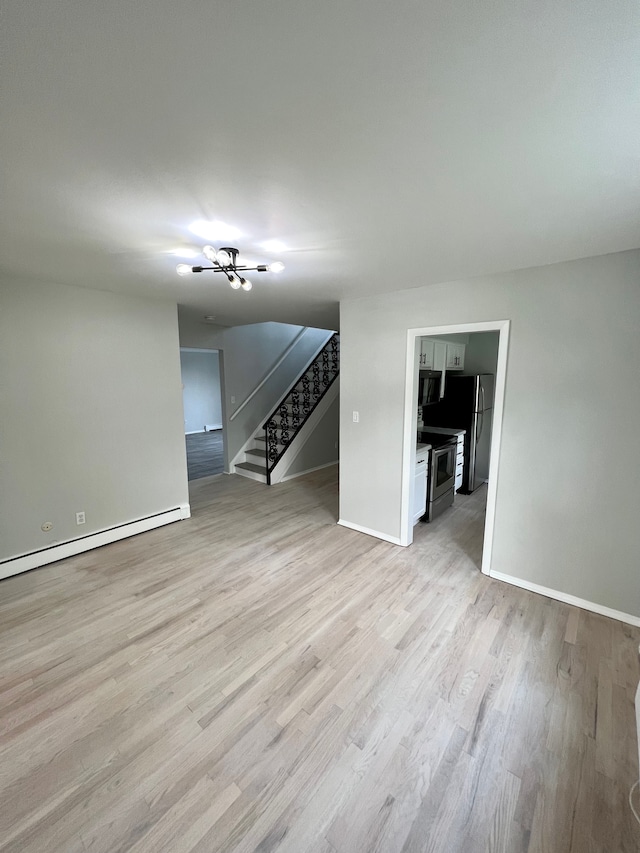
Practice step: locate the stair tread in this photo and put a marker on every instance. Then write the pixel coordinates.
(249, 466)
(257, 451)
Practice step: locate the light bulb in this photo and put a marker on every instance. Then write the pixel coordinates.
(210, 254)
(184, 269)
(246, 284)
(234, 282)
(223, 258)
(276, 266)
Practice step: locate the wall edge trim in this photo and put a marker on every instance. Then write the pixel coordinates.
(369, 532)
(567, 598)
(36, 559)
(308, 471)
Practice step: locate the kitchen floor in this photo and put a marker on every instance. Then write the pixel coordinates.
(460, 526)
(258, 678)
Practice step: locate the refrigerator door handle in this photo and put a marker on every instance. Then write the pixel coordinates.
(480, 424)
(473, 444)
(483, 403)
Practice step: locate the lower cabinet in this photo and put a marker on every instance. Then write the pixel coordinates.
(419, 502)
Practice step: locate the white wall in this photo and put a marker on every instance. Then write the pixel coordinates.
(201, 394)
(454, 339)
(323, 446)
(568, 502)
(91, 412)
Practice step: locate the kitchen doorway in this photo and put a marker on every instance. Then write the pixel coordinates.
(458, 336)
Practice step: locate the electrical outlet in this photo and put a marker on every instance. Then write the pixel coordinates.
(80, 519)
(233, 400)
(356, 417)
(46, 527)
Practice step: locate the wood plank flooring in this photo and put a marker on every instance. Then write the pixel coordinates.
(259, 679)
(205, 454)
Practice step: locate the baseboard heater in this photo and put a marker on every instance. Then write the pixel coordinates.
(62, 550)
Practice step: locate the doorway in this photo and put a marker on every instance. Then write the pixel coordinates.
(201, 371)
(480, 362)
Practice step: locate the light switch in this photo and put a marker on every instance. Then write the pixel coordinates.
(356, 417)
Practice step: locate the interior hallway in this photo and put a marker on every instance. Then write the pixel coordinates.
(258, 678)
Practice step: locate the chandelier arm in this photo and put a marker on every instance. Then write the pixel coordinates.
(227, 270)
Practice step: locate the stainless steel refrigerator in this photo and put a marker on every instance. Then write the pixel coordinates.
(468, 404)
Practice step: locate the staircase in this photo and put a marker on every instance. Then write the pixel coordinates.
(255, 464)
(280, 429)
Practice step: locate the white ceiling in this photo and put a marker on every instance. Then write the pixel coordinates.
(389, 145)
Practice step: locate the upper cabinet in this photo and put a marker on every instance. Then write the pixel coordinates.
(455, 357)
(440, 362)
(425, 359)
(439, 355)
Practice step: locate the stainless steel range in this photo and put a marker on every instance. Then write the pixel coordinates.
(442, 472)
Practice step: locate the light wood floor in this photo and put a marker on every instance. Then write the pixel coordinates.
(205, 454)
(260, 679)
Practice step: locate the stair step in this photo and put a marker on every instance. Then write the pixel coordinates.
(249, 466)
(261, 453)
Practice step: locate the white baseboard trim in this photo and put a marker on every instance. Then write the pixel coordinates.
(308, 471)
(566, 598)
(207, 428)
(378, 535)
(35, 559)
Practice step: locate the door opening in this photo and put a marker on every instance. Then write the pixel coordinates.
(469, 363)
(202, 397)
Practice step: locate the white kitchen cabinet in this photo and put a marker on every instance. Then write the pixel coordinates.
(459, 462)
(425, 359)
(439, 355)
(419, 502)
(455, 356)
(440, 361)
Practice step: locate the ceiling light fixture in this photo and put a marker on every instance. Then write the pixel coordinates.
(225, 260)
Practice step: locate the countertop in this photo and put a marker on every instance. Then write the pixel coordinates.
(421, 447)
(442, 430)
